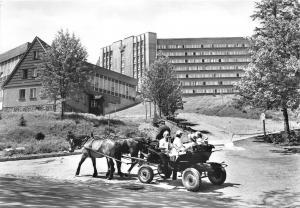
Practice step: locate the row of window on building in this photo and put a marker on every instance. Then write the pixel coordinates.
(138, 56)
(210, 67)
(112, 86)
(201, 53)
(212, 60)
(208, 91)
(209, 75)
(32, 94)
(107, 56)
(228, 45)
(207, 83)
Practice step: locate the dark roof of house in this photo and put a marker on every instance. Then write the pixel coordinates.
(44, 45)
(14, 52)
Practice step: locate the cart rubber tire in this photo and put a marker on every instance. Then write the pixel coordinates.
(217, 177)
(191, 179)
(145, 174)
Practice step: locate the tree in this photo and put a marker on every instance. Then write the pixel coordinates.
(160, 86)
(63, 73)
(271, 80)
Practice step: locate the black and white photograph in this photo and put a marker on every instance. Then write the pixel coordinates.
(150, 103)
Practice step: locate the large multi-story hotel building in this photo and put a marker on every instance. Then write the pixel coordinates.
(203, 65)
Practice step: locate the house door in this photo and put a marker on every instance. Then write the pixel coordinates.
(96, 106)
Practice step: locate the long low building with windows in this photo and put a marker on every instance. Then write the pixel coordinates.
(203, 65)
(22, 90)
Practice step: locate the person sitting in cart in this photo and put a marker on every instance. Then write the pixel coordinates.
(178, 152)
(164, 143)
(161, 130)
(178, 147)
(164, 146)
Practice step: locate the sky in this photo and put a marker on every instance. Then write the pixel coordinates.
(99, 23)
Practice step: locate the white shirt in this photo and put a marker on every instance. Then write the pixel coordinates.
(163, 144)
(177, 147)
(177, 143)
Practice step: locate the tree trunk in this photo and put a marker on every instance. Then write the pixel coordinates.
(286, 121)
(62, 109)
(54, 105)
(159, 112)
(155, 113)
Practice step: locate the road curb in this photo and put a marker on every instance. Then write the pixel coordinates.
(31, 157)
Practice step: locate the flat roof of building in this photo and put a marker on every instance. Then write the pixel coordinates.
(204, 40)
(113, 74)
(14, 52)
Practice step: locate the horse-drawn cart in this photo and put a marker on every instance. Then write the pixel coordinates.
(193, 165)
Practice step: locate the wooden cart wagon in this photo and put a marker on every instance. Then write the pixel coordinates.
(193, 165)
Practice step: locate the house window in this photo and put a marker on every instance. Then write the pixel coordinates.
(204, 83)
(220, 60)
(32, 94)
(127, 90)
(25, 74)
(93, 103)
(36, 55)
(22, 94)
(237, 75)
(220, 83)
(35, 73)
(186, 76)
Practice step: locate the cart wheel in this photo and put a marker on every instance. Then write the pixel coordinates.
(191, 179)
(145, 174)
(218, 176)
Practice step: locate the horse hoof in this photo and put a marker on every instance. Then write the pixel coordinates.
(109, 178)
(126, 175)
(95, 175)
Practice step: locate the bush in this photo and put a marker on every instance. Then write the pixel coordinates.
(108, 131)
(39, 136)
(20, 135)
(22, 121)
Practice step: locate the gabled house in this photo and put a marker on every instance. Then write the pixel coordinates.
(22, 89)
(8, 61)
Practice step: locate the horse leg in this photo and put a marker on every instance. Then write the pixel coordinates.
(118, 157)
(95, 174)
(83, 157)
(108, 168)
(112, 169)
(133, 163)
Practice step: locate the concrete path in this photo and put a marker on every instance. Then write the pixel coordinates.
(258, 175)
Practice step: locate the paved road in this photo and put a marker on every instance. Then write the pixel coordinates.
(258, 175)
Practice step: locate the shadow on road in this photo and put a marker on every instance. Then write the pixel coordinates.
(49, 193)
(281, 198)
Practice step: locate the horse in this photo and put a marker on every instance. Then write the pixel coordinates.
(77, 141)
(98, 148)
(111, 149)
(130, 146)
